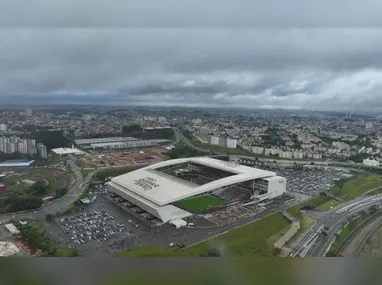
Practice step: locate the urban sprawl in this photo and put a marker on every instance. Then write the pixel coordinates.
(97, 181)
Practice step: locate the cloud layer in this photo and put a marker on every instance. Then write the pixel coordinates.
(247, 67)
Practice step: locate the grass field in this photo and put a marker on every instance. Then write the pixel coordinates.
(254, 239)
(17, 187)
(200, 203)
(314, 203)
(16, 184)
(355, 187)
(328, 205)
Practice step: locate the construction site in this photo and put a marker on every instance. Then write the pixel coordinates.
(118, 158)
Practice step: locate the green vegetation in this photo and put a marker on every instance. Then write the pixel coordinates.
(356, 186)
(49, 218)
(22, 197)
(200, 203)
(137, 132)
(85, 173)
(52, 139)
(14, 203)
(34, 233)
(254, 239)
(373, 246)
(312, 203)
(182, 151)
(348, 228)
(112, 172)
(306, 222)
(328, 205)
(17, 187)
(48, 161)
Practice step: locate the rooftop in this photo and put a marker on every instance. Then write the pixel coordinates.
(163, 189)
(63, 150)
(104, 140)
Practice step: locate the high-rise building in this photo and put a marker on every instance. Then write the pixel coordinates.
(42, 150)
(231, 143)
(32, 147)
(28, 112)
(214, 140)
(3, 127)
(1, 144)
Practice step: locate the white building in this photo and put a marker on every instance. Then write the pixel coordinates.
(12, 229)
(370, 162)
(257, 149)
(67, 151)
(214, 140)
(231, 143)
(204, 131)
(3, 127)
(197, 121)
(155, 191)
(369, 125)
(42, 151)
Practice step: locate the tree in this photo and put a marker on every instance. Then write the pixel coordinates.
(39, 188)
(131, 129)
(49, 218)
(61, 192)
(213, 253)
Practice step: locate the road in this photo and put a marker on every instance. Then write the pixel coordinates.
(312, 243)
(57, 205)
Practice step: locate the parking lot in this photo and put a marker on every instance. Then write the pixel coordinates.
(99, 226)
(309, 181)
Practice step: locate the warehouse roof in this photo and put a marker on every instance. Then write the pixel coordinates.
(63, 150)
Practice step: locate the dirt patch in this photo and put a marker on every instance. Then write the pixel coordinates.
(151, 155)
(30, 248)
(355, 244)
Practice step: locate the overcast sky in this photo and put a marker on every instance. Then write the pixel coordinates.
(217, 53)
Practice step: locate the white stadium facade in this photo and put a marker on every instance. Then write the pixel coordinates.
(155, 188)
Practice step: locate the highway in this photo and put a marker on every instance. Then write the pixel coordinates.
(312, 243)
(57, 205)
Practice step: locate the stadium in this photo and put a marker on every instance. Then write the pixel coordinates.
(175, 189)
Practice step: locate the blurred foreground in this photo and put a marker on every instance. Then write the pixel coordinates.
(207, 271)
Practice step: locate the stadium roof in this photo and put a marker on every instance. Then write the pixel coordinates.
(162, 189)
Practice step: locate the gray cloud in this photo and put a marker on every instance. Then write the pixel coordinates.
(305, 68)
(181, 13)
